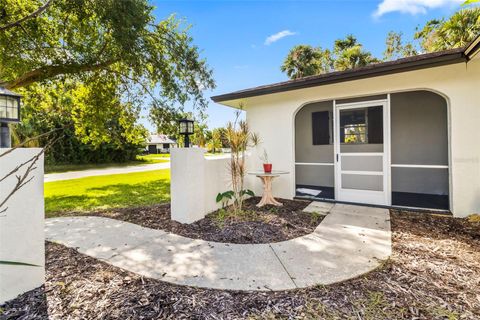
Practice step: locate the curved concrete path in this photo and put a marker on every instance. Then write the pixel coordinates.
(349, 242)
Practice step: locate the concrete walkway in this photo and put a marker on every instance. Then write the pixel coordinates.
(350, 241)
(105, 171)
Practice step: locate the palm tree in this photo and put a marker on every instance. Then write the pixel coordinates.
(350, 54)
(459, 30)
(305, 60)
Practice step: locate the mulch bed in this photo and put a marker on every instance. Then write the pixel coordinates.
(434, 273)
(257, 225)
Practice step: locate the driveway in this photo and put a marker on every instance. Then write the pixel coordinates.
(106, 171)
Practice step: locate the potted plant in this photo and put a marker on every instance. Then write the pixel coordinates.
(267, 166)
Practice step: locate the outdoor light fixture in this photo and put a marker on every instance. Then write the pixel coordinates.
(186, 129)
(9, 112)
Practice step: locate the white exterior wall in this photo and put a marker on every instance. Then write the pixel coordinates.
(22, 237)
(273, 116)
(195, 183)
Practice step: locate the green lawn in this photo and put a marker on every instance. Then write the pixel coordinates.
(141, 160)
(103, 192)
(157, 156)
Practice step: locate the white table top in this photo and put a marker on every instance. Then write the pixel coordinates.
(274, 173)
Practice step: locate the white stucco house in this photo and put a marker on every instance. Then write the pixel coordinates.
(400, 133)
(159, 143)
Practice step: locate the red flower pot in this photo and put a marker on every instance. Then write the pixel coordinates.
(267, 167)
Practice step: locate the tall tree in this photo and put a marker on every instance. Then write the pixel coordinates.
(396, 48)
(88, 41)
(305, 60)
(349, 54)
(68, 109)
(457, 31)
(215, 142)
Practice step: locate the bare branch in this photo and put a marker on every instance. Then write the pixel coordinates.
(26, 177)
(30, 16)
(22, 180)
(30, 139)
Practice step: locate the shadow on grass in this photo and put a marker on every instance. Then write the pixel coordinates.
(111, 196)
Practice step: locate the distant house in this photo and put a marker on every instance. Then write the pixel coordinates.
(160, 143)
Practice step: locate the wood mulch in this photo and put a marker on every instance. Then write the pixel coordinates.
(256, 225)
(434, 273)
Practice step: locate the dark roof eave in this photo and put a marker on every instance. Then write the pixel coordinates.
(397, 66)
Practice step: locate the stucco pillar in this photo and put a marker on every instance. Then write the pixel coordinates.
(187, 184)
(22, 237)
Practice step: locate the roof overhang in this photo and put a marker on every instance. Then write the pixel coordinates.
(473, 48)
(418, 62)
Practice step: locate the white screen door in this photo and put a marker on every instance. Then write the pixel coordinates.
(361, 146)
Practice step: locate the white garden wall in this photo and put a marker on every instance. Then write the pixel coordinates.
(195, 183)
(21, 227)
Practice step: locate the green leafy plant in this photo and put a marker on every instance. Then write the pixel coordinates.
(247, 192)
(225, 197)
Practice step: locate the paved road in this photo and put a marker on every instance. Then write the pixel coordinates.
(105, 171)
(350, 241)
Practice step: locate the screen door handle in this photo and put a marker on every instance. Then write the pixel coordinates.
(337, 157)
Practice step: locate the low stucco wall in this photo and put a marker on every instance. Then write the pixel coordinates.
(458, 83)
(195, 183)
(22, 236)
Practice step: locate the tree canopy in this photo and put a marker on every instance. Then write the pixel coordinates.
(106, 59)
(349, 54)
(305, 60)
(115, 39)
(437, 34)
(457, 31)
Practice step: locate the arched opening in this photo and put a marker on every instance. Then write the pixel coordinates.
(394, 146)
(314, 151)
(419, 150)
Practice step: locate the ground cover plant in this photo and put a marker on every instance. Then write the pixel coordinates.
(433, 274)
(107, 191)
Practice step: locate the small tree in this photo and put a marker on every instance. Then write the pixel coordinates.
(240, 138)
(215, 141)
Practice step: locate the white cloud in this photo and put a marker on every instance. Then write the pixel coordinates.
(412, 6)
(277, 36)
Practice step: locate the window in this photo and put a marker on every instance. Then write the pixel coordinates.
(353, 125)
(320, 128)
(362, 126)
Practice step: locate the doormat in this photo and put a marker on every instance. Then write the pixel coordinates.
(310, 192)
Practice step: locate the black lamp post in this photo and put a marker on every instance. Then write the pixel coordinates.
(185, 127)
(9, 112)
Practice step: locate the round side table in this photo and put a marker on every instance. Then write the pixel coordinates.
(267, 197)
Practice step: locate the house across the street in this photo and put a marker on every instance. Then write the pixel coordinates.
(160, 143)
(399, 133)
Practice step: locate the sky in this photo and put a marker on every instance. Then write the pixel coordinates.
(245, 42)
